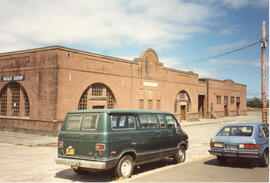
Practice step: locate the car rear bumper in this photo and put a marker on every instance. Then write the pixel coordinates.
(100, 165)
(234, 154)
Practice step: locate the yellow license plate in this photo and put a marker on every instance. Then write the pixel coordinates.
(70, 151)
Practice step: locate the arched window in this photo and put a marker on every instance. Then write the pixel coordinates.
(14, 100)
(97, 95)
(182, 98)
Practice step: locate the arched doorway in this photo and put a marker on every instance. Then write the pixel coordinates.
(97, 96)
(14, 100)
(182, 105)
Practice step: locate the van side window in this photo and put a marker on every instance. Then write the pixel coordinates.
(148, 121)
(74, 122)
(161, 119)
(122, 121)
(90, 121)
(171, 122)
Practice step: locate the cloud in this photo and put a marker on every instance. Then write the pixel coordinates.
(253, 63)
(101, 23)
(237, 4)
(176, 63)
(229, 31)
(226, 47)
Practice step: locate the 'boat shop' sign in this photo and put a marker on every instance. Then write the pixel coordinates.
(13, 78)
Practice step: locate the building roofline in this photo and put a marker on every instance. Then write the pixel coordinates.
(57, 47)
(183, 72)
(223, 81)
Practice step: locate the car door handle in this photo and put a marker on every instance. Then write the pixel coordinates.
(157, 132)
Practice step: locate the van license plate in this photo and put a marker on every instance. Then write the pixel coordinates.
(70, 151)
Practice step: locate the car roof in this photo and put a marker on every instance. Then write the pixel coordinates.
(111, 111)
(244, 124)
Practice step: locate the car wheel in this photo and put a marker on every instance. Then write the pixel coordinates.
(125, 167)
(180, 155)
(221, 159)
(265, 159)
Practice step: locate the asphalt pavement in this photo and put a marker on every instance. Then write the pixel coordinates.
(32, 156)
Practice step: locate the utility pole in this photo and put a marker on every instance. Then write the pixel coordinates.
(263, 82)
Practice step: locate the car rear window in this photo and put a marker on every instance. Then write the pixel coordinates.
(90, 121)
(74, 122)
(236, 131)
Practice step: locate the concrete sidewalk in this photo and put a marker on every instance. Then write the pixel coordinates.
(25, 139)
(18, 138)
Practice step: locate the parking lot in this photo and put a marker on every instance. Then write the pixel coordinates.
(29, 157)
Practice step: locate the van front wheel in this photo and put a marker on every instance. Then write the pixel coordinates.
(125, 167)
(180, 155)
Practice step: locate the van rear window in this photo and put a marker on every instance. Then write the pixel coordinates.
(90, 121)
(74, 122)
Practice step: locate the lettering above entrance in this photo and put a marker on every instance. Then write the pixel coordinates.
(13, 78)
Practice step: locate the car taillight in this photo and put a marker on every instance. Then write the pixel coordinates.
(100, 147)
(216, 144)
(248, 146)
(59, 144)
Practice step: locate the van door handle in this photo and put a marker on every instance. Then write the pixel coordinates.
(157, 132)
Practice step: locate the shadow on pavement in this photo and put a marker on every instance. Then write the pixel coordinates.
(152, 166)
(101, 176)
(108, 175)
(235, 163)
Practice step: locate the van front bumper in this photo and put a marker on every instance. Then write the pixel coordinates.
(100, 165)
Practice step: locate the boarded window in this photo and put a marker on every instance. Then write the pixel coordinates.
(141, 104)
(218, 99)
(150, 104)
(232, 100)
(225, 100)
(158, 104)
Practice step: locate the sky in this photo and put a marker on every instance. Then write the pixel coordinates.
(182, 32)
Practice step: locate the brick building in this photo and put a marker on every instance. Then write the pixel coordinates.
(39, 86)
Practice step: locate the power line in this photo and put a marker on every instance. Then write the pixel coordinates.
(225, 53)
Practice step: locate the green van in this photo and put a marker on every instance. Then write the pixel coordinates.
(102, 139)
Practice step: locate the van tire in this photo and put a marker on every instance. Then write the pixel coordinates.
(125, 167)
(180, 155)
